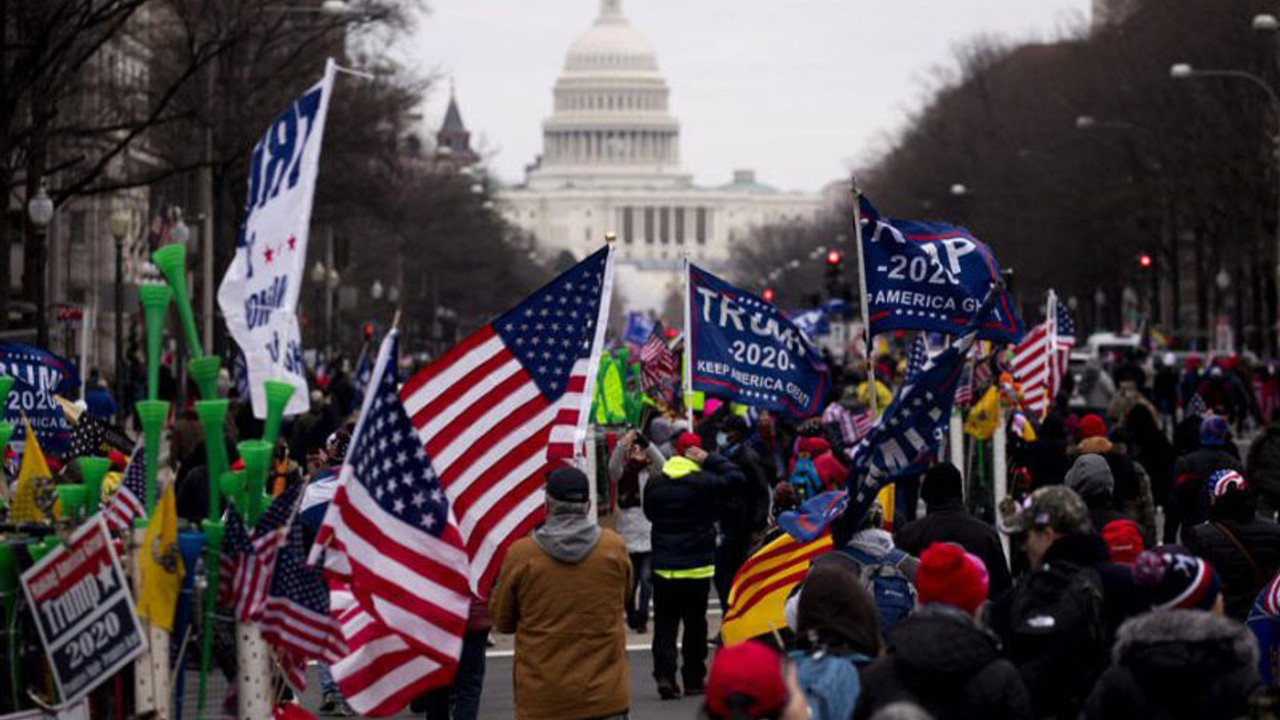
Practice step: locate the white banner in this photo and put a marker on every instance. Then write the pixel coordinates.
(259, 293)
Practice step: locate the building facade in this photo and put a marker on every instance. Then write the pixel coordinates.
(611, 162)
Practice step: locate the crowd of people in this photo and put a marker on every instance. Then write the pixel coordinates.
(1142, 577)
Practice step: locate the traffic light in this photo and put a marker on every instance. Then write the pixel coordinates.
(768, 295)
(1144, 260)
(834, 262)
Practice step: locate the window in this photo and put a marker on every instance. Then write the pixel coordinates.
(700, 225)
(680, 226)
(664, 232)
(648, 225)
(628, 226)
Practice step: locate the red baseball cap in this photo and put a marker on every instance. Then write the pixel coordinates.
(1091, 426)
(747, 678)
(686, 441)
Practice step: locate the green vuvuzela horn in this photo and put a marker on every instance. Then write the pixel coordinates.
(213, 416)
(155, 304)
(172, 261)
(257, 459)
(152, 414)
(204, 370)
(278, 394)
(92, 471)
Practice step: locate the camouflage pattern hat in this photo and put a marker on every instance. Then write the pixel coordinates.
(1054, 507)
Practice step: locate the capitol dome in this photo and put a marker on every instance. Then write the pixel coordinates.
(611, 123)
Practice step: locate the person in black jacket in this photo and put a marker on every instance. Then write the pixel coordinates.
(743, 510)
(947, 520)
(1243, 548)
(681, 505)
(1178, 664)
(1090, 476)
(1189, 502)
(940, 657)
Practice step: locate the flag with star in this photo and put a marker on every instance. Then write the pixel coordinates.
(907, 436)
(295, 617)
(511, 403)
(249, 555)
(125, 504)
(390, 539)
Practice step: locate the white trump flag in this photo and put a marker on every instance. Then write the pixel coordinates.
(259, 293)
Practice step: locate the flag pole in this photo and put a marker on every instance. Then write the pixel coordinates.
(688, 343)
(862, 291)
(1051, 311)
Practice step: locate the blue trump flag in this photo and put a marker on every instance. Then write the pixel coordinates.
(931, 276)
(39, 375)
(746, 350)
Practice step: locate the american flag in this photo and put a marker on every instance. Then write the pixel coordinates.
(1040, 360)
(126, 505)
(510, 403)
(964, 389)
(657, 364)
(248, 561)
(917, 356)
(390, 543)
(295, 616)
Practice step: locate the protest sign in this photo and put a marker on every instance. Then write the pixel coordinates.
(746, 350)
(83, 610)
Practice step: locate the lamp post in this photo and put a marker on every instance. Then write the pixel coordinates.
(40, 212)
(1185, 71)
(118, 224)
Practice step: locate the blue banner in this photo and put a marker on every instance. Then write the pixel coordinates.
(746, 350)
(39, 376)
(639, 328)
(931, 276)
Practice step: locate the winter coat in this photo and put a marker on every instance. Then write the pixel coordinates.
(744, 509)
(1090, 476)
(1189, 502)
(1177, 664)
(950, 522)
(943, 661)
(571, 644)
(1240, 582)
(1264, 464)
(633, 526)
(681, 504)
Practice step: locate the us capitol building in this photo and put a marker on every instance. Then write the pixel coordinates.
(611, 161)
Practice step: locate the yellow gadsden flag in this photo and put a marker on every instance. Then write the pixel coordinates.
(34, 482)
(985, 416)
(759, 594)
(160, 564)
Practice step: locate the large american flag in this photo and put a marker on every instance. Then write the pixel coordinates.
(295, 617)
(248, 560)
(657, 363)
(126, 505)
(1040, 360)
(510, 403)
(393, 558)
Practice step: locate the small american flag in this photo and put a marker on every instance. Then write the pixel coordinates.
(248, 561)
(964, 389)
(1031, 367)
(295, 616)
(389, 539)
(917, 356)
(126, 505)
(657, 364)
(863, 422)
(511, 403)
(1065, 329)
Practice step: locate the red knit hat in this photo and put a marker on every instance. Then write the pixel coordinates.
(686, 441)
(948, 574)
(1124, 541)
(1091, 426)
(815, 446)
(746, 677)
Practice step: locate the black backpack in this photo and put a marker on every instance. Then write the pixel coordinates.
(1058, 637)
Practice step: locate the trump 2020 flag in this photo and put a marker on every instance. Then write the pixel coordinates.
(747, 351)
(931, 276)
(260, 290)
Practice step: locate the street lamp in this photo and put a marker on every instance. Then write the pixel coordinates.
(1184, 71)
(40, 211)
(1266, 22)
(959, 189)
(118, 225)
(318, 273)
(376, 290)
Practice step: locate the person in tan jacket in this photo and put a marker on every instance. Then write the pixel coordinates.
(561, 591)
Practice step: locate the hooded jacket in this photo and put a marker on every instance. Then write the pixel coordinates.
(561, 593)
(632, 524)
(1090, 476)
(1178, 664)
(681, 505)
(1189, 501)
(949, 521)
(1240, 582)
(943, 661)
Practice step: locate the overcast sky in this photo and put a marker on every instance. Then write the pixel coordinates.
(799, 90)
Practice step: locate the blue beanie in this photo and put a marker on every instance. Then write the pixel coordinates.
(1214, 431)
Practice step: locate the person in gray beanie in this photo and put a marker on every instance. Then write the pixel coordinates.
(1090, 476)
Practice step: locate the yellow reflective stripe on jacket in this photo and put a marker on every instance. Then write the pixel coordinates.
(697, 573)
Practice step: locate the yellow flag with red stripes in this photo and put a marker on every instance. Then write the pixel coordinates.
(759, 593)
